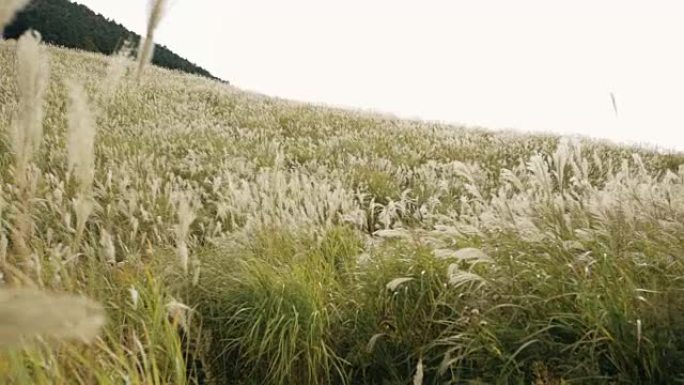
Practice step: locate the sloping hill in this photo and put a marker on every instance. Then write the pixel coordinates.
(322, 246)
(73, 25)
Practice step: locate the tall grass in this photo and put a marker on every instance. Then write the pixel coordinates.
(80, 156)
(269, 305)
(231, 238)
(46, 335)
(8, 9)
(26, 136)
(146, 48)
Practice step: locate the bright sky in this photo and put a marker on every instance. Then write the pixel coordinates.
(531, 65)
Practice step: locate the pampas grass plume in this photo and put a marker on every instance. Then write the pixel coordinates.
(28, 313)
(8, 8)
(146, 48)
(81, 137)
(32, 76)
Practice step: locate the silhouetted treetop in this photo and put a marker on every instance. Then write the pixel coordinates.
(72, 25)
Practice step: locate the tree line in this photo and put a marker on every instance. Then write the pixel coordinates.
(72, 25)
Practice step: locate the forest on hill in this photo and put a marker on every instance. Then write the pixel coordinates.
(72, 25)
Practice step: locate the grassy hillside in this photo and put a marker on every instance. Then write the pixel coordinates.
(239, 239)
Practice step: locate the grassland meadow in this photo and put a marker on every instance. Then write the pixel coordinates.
(163, 228)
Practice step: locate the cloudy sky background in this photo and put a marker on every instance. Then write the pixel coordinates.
(529, 65)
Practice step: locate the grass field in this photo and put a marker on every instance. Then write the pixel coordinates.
(225, 237)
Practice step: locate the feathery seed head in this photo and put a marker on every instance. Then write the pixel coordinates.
(135, 296)
(146, 48)
(27, 313)
(8, 8)
(394, 284)
(81, 137)
(178, 313)
(32, 76)
(108, 249)
(418, 377)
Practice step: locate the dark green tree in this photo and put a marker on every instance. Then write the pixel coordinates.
(72, 25)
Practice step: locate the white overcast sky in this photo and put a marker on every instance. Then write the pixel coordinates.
(531, 65)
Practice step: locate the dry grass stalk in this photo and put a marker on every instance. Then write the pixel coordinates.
(26, 134)
(8, 8)
(186, 216)
(81, 154)
(418, 377)
(3, 238)
(32, 76)
(119, 63)
(81, 138)
(29, 313)
(146, 48)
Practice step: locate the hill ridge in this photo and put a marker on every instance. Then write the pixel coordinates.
(73, 25)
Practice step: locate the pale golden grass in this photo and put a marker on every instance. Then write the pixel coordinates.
(80, 138)
(80, 155)
(26, 134)
(32, 75)
(26, 314)
(185, 164)
(3, 237)
(8, 8)
(418, 377)
(146, 48)
(186, 216)
(119, 64)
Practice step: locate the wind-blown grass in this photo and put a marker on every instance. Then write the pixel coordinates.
(8, 9)
(240, 239)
